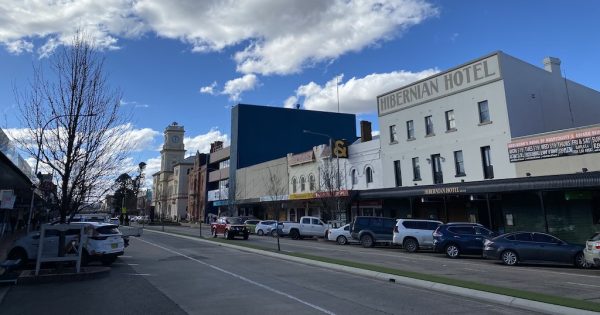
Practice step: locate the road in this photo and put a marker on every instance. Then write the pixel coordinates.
(163, 274)
(553, 280)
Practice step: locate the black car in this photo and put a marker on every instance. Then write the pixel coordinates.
(372, 230)
(455, 239)
(516, 247)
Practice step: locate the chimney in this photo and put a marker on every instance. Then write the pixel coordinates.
(552, 65)
(365, 131)
(216, 146)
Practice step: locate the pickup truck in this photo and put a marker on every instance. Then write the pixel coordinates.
(230, 227)
(308, 227)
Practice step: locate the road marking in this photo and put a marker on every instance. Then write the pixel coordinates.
(583, 284)
(123, 256)
(266, 287)
(137, 274)
(132, 264)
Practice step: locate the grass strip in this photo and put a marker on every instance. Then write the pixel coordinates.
(528, 295)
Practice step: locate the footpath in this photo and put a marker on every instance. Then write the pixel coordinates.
(545, 303)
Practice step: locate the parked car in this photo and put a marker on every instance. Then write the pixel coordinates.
(340, 235)
(372, 230)
(414, 234)
(104, 243)
(264, 227)
(114, 221)
(455, 239)
(230, 227)
(251, 225)
(307, 227)
(591, 252)
(513, 248)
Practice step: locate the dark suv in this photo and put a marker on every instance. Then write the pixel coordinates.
(372, 230)
(456, 239)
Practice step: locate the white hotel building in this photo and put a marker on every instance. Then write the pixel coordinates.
(485, 142)
(456, 126)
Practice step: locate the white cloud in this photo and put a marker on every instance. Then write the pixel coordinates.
(271, 36)
(202, 142)
(141, 139)
(57, 21)
(357, 95)
(152, 166)
(209, 89)
(374, 133)
(235, 87)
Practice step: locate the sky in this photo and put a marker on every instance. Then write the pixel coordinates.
(190, 61)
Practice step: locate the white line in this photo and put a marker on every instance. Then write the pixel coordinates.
(123, 256)
(138, 274)
(244, 279)
(583, 284)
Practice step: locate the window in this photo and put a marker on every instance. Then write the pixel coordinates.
(429, 126)
(523, 237)
(450, 123)
(436, 169)
(369, 173)
(465, 230)
(545, 238)
(294, 185)
(484, 113)
(354, 177)
(302, 183)
(393, 138)
(316, 222)
(416, 169)
(410, 130)
(397, 173)
(224, 164)
(311, 182)
(486, 161)
(305, 220)
(483, 231)
(459, 163)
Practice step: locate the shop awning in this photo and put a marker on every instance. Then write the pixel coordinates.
(553, 182)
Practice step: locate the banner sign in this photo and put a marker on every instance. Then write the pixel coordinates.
(301, 196)
(562, 144)
(327, 194)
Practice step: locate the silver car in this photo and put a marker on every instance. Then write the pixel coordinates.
(591, 252)
(413, 234)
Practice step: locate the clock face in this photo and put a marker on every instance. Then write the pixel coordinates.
(175, 139)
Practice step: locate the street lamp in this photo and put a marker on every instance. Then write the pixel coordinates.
(37, 159)
(330, 159)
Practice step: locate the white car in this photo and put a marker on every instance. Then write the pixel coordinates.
(340, 235)
(104, 242)
(414, 234)
(591, 252)
(264, 227)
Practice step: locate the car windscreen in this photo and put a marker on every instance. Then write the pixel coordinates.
(595, 237)
(108, 229)
(235, 221)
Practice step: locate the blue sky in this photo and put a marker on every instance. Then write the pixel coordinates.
(190, 61)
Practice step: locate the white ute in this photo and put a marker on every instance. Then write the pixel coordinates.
(308, 227)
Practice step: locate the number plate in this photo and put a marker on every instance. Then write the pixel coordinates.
(114, 245)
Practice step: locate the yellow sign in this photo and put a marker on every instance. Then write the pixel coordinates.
(124, 210)
(340, 149)
(302, 196)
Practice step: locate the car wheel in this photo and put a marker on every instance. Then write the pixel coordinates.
(18, 253)
(260, 233)
(273, 233)
(410, 245)
(294, 234)
(580, 261)
(509, 258)
(342, 240)
(85, 258)
(452, 251)
(214, 233)
(367, 240)
(107, 261)
(228, 235)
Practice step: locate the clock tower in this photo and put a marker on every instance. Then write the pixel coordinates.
(173, 150)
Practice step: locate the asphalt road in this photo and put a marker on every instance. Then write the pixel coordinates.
(554, 280)
(162, 274)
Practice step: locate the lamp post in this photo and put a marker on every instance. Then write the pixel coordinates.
(37, 159)
(337, 204)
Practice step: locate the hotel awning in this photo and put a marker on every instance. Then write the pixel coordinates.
(553, 182)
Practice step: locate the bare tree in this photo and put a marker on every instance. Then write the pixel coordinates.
(277, 190)
(331, 193)
(75, 122)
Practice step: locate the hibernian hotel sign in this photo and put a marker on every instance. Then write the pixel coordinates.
(453, 81)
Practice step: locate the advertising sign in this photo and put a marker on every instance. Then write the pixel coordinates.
(563, 144)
